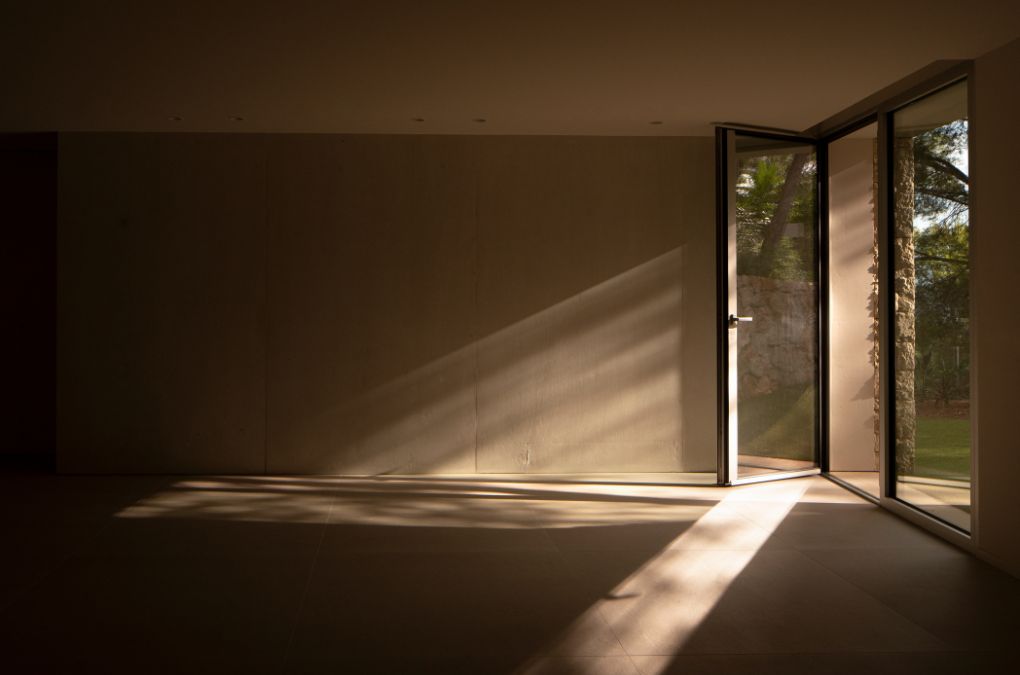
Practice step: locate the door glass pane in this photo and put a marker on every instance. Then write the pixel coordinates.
(777, 288)
(853, 309)
(931, 293)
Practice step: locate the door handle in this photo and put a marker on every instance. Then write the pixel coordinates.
(735, 320)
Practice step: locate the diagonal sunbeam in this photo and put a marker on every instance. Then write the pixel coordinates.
(657, 609)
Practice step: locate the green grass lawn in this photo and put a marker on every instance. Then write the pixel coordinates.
(779, 424)
(943, 448)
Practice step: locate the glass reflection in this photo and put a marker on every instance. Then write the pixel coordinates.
(777, 286)
(931, 332)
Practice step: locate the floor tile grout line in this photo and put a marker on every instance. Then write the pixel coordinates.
(561, 554)
(308, 581)
(717, 504)
(597, 604)
(826, 653)
(562, 551)
(871, 595)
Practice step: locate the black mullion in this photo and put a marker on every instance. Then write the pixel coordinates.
(722, 285)
(887, 312)
(722, 288)
(822, 246)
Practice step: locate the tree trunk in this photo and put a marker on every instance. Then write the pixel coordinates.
(781, 217)
(905, 338)
(875, 313)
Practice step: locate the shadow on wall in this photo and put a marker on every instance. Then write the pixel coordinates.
(593, 381)
(370, 305)
(485, 305)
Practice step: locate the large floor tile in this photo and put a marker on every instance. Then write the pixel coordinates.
(580, 665)
(203, 537)
(252, 499)
(828, 525)
(782, 601)
(644, 537)
(707, 601)
(266, 574)
(121, 613)
(836, 663)
(341, 539)
(402, 662)
(964, 601)
(437, 604)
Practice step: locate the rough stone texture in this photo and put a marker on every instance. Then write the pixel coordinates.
(875, 307)
(778, 349)
(904, 298)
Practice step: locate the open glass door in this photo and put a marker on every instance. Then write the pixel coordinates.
(769, 294)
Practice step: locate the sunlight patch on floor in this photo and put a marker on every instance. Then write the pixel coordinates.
(657, 609)
(425, 502)
(454, 501)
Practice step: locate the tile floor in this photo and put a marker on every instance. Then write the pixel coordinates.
(504, 575)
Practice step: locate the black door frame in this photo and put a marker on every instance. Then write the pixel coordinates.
(876, 108)
(724, 135)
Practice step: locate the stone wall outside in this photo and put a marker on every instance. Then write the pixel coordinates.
(779, 348)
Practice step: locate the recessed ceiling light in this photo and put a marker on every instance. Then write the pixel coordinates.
(480, 120)
(656, 122)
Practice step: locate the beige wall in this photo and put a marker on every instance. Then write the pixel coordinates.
(161, 303)
(373, 304)
(996, 281)
(851, 287)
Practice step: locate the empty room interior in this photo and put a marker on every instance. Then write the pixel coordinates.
(510, 338)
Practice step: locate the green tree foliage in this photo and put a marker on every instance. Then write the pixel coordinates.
(942, 263)
(776, 213)
(776, 216)
(940, 185)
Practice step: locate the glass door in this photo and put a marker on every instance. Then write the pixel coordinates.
(930, 342)
(769, 293)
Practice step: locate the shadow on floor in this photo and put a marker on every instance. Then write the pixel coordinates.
(318, 575)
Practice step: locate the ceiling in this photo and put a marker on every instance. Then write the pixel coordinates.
(590, 67)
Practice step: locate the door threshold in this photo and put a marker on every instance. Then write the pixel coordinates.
(777, 475)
